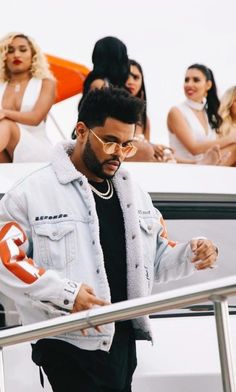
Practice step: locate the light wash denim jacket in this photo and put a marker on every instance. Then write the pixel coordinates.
(55, 207)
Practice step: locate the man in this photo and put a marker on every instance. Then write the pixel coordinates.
(96, 238)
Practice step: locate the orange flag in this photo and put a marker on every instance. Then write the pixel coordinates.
(70, 76)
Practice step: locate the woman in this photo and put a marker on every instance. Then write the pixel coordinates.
(227, 112)
(27, 92)
(135, 84)
(147, 152)
(193, 125)
(110, 67)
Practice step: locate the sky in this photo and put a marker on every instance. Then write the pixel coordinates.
(165, 36)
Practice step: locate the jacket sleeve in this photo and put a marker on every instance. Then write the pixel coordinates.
(173, 260)
(24, 282)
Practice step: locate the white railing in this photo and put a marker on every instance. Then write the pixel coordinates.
(216, 291)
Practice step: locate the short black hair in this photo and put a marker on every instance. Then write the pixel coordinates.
(117, 103)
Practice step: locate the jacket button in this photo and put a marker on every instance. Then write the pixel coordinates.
(133, 237)
(93, 242)
(128, 205)
(81, 182)
(66, 302)
(104, 343)
(98, 271)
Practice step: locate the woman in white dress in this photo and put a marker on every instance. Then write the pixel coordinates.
(27, 92)
(194, 124)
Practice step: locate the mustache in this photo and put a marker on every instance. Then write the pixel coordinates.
(115, 158)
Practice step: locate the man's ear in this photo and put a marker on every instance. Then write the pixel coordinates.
(81, 130)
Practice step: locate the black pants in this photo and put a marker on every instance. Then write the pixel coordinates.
(70, 369)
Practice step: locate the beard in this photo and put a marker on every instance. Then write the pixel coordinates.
(94, 165)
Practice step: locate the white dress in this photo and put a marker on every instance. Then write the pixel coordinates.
(197, 130)
(34, 145)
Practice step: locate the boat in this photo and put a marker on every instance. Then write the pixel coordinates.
(194, 200)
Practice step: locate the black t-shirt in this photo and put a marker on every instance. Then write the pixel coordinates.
(112, 239)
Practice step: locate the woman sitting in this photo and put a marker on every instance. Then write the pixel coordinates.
(147, 152)
(194, 124)
(27, 92)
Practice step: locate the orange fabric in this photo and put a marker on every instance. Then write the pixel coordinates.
(70, 76)
(164, 234)
(7, 227)
(14, 258)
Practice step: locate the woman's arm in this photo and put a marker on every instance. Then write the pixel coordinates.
(40, 109)
(147, 129)
(179, 126)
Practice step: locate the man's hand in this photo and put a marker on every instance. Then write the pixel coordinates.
(86, 299)
(205, 253)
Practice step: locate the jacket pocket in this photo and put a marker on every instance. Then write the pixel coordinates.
(54, 244)
(149, 226)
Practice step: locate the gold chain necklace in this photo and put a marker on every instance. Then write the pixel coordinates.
(104, 195)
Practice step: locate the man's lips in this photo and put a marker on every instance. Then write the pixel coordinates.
(113, 164)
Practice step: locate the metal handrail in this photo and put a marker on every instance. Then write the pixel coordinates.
(216, 291)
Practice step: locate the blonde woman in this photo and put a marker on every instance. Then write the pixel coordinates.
(27, 92)
(228, 112)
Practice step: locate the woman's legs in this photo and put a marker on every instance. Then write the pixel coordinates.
(9, 137)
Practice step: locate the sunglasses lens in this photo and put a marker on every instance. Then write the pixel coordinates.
(130, 152)
(110, 148)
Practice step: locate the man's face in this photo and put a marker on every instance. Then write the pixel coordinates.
(100, 165)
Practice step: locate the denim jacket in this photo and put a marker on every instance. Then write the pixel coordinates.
(55, 207)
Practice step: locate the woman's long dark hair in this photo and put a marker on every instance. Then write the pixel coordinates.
(213, 101)
(142, 92)
(110, 58)
(110, 62)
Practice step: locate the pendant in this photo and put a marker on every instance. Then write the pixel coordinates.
(17, 88)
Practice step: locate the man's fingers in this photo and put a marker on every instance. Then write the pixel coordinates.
(205, 253)
(97, 301)
(98, 328)
(207, 263)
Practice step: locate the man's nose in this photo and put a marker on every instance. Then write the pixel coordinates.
(119, 151)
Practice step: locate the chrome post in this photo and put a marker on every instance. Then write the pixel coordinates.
(2, 385)
(224, 343)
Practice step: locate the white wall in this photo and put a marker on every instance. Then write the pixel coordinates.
(165, 36)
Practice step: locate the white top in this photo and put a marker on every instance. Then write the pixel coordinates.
(197, 130)
(34, 145)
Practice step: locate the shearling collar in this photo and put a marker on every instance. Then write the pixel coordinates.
(61, 162)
